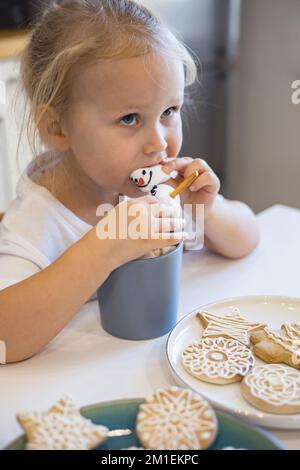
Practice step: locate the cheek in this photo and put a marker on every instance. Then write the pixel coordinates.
(175, 141)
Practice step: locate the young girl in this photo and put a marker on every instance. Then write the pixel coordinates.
(105, 81)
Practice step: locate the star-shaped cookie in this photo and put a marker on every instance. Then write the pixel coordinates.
(61, 428)
(232, 325)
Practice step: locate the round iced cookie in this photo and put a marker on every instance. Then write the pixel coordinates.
(176, 419)
(218, 360)
(274, 388)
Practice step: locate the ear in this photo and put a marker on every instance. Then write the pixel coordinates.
(51, 129)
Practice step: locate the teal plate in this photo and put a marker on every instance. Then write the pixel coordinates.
(121, 414)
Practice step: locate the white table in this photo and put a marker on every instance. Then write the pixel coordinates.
(93, 366)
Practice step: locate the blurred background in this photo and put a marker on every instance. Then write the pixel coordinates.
(243, 121)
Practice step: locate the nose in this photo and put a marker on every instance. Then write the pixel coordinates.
(156, 143)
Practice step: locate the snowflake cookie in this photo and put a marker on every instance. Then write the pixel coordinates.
(61, 428)
(218, 360)
(176, 419)
(274, 388)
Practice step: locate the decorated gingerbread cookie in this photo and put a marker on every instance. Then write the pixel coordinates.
(152, 180)
(274, 388)
(61, 428)
(149, 179)
(218, 360)
(176, 419)
(232, 325)
(291, 330)
(274, 347)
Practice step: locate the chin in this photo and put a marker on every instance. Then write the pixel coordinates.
(131, 190)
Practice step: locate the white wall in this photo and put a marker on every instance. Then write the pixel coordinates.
(263, 161)
(10, 127)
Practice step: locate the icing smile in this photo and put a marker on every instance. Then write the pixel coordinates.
(141, 184)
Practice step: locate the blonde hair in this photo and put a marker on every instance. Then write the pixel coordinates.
(76, 33)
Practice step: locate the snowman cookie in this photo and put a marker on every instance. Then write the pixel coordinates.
(218, 360)
(274, 347)
(150, 180)
(176, 419)
(274, 388)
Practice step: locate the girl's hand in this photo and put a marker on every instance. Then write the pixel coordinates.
(203, 190)
(137, 227)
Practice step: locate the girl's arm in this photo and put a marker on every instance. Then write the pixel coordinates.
(35, 310)
(231, 229)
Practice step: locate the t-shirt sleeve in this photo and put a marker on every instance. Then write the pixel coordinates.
(14, 269)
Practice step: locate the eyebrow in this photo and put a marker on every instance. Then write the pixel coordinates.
(132, 107)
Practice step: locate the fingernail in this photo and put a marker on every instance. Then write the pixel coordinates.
(192, 187)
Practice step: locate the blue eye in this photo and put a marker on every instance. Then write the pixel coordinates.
(127, 120)
(131, 120)
(170, 111)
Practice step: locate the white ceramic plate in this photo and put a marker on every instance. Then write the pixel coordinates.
(272, 310)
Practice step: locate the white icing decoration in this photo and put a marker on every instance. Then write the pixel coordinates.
(291, 330)
(62, 427)
(198, 358)
(217, 356)
(175, 419)
(150, 177)
(233, 325)
(293, 346)
(275, 384)
(150, 180)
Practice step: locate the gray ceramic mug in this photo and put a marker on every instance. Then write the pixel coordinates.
(139, 300)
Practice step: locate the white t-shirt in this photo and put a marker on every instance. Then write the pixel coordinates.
(37, 228)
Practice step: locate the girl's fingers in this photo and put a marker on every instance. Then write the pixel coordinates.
(167, 224)
(164, 210)
(178, 164)
(197, 164)
(172, 238)
(208, 179)
(145, 199)
(186, 167)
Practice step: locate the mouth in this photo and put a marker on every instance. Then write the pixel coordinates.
(144, 185)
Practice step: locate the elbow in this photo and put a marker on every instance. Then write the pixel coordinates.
(245, 235)
(245, 242)
(13, 347)
(237, 244)
(17, 353)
